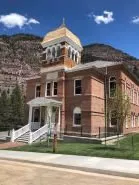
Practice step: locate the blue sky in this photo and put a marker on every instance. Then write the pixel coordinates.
(119, 26)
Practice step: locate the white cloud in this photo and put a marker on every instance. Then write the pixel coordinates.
(33, 21)
(16, 20)
(135, 20)
(106, 18)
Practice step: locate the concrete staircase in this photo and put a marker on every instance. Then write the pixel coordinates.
(24, 138)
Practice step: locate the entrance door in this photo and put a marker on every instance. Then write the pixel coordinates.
(35, 118)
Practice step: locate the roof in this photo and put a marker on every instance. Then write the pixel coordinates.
(61, 32)
(43, 101)
(96, 64)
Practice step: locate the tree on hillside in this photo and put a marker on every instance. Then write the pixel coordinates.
(17, 107)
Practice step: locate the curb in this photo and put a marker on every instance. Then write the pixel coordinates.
(91, 170)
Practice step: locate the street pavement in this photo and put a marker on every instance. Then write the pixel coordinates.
(127, 168)
(19, 173)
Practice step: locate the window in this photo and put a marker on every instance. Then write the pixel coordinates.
(132, 120)
(49, 53)
(48, 89)
(55, 88)
(126, 122)
(72, 55)
(58, 51)
(76, 58)
(112, 86)
(132, 94)
(69, 52)
(113, 118)
(77, 87)
(53, 52)
(38, 91)
(77, 116)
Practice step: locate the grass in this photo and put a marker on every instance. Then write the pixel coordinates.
(124, 150)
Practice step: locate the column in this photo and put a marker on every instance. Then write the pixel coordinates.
(59, 119)
(59, 110)
(49, 111)
(30, 116)
(40, 118)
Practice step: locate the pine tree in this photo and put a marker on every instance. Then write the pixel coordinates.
(3, 111)
(17, 107)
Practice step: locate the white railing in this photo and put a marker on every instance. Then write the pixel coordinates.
(19, 132)
(38, 133)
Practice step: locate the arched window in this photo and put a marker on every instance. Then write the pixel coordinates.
(72, 55)
(112, 86)
(76, 58)
(69, 52)
(53, 52)
(77, 116)
(48, 54)
(58, 51)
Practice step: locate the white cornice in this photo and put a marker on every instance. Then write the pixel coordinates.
(31, 78)
(63, 39)
(52, 69)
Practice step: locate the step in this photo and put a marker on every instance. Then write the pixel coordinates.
(23, 138)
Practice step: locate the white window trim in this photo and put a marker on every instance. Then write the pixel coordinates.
(75, 88)
(46, 90)
(37, 84)
(138, 121)
(109, 85)
(132, 120)
(53, 89)
(110, 125)
(126, 122)
(80, 112)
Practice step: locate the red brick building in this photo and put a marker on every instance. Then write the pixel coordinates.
(79, 87)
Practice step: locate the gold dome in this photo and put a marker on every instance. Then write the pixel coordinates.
(60, 33)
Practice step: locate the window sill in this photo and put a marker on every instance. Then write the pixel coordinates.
(77, 94)
(76, 125)
(51, 96)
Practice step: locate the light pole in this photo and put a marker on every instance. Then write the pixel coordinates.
(105, 94)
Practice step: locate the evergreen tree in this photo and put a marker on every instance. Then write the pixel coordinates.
(4, 111)
(17, 107)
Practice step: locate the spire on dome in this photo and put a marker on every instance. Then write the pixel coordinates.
(63, 23)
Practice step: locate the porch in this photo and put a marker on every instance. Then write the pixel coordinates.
(44, 119)
(44, 111)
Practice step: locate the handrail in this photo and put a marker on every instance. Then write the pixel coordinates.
(19, 132)
(38, 133)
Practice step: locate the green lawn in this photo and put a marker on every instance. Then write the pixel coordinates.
(124, 150)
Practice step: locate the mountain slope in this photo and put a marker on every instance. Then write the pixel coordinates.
(21, 51)
(94, 52)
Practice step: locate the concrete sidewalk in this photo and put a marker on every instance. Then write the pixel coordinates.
(127, 168)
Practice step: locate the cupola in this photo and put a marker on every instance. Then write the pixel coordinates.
(61, 47)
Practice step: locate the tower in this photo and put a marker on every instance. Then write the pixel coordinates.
(61, 48)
